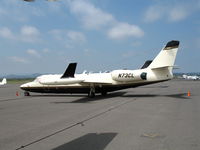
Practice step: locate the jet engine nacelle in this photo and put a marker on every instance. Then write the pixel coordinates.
(62, 81)
(128, 75)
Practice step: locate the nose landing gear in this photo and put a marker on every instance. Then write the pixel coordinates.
(26, 93)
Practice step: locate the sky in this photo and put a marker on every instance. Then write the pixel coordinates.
(100, 35)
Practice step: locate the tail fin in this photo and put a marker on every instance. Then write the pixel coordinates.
(4, 81)
(70, 71)
(166, 57)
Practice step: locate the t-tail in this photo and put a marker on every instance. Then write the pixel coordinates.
(163, 63)
(166, 57)
(4, 81)
(160, 69)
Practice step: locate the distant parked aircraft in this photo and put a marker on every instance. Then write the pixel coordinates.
(158, 70)
(4, 81)
(190, 77)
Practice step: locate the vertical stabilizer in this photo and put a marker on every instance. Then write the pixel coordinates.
(70, 71)
(166, 57)
(4, 81)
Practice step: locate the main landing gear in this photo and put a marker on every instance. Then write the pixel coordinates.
(91, 93)
(103, 93)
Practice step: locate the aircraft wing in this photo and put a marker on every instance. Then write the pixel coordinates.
(97, 82)
(98, 79)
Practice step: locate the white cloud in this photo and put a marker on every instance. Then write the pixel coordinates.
(154, 13)
(37, 12)
(125, 30)
(76, 36)
(54, 7)
(27, 34)
(6, 33)
(33, 52)
(11, 2)
(12, 11)
(46, 50)
(20, 11)
(95, 18)
(178, 14)
(172, 12)
(68, 36)
(29, 31)
(90, 16)
(18, 59)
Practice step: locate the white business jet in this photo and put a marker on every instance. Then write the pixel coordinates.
(158, 70)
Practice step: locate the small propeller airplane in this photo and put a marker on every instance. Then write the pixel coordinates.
(153, 71)
(3, 82)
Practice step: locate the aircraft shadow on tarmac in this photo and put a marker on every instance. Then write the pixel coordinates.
(178, 96)
(96, 98)
(93, 141)
(161, 86)
(57, 95)
(122, 94)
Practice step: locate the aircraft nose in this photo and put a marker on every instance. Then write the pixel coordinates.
(24, 86)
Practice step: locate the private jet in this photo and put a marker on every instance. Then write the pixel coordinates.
(153, 71)
(3, 82)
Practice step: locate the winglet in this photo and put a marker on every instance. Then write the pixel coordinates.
(70, 71)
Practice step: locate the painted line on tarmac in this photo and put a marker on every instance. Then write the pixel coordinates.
(14, 99)
(76, 124)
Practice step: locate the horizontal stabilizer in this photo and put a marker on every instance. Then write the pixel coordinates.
(161, 67)
(172, 44)
(70, 71)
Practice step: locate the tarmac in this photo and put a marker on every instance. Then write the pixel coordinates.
(155, 117)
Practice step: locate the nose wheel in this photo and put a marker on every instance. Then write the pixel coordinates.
(26, 93)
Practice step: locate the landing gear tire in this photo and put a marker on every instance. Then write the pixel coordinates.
(91, 94)
(26, 93)
(103, 93)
